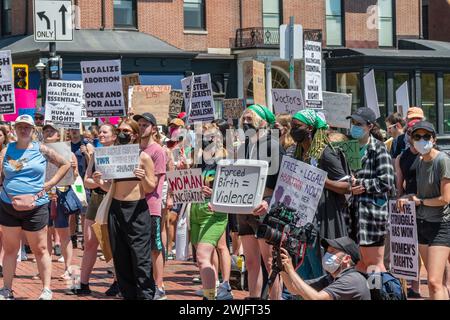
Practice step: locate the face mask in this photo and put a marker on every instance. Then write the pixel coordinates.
(248, 126)
(329, 263)
(124, 138)
(357, 132)
(423, 147)
(299, 134)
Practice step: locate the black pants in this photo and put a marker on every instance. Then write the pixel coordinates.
(130, 235)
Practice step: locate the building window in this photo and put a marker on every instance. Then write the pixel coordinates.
(194, 14)
(6, 17)
(425, 19)
(429, 105)
(349, 83)
(125, 13)
(271, 14)
(447, 103)
(385, 23)
(334, 22)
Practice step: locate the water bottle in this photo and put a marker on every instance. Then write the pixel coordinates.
(241, 263)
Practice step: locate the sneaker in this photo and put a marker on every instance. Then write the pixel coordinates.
(46, 294)
(171, 256)
(61, 259)
(6, 294)
(65, 276)
(412, 294)
(57, 250)
(160, 294)
(199, 292)
(197, 279)
(224, 292)
(113, 290)
(84, 290)
(36, 277)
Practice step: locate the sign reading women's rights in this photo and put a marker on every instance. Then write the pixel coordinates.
(117, 162)
(233, 109)
(351, 151)
(337, 107)
(186, 185)
(313, 74)
(287, 101)
(63, 115)
(198, 99)
(103, 88)
(6, 83)
(404, 246)
(299, 186)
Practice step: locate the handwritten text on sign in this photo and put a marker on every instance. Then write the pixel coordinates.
(176, 103)
(287, 101)
(117, 162)
(299, 186)
(186, 186)
(6, 83)
(351, 151)
(198, 100)
(404, 247)
(153, 99)
(237, 185)
(232, 109)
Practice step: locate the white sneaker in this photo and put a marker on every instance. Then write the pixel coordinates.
(61, 259)
(46, 294)
(224, 292)
(199, 292)
(6, 294)
(160, 294)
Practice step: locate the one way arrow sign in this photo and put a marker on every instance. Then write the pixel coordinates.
(53, 21)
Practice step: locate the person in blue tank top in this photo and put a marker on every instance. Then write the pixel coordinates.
(23, 172)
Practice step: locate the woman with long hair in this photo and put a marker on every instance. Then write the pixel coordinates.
(283, 123)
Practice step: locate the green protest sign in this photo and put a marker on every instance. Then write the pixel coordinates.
(351, 151)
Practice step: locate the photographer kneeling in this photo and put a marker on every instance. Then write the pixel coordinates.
(342, 282)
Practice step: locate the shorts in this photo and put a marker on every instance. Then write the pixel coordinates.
(248, 224)
(433, 233)
(206, 226)
(33, 220)
(94, 203)
(233, 222)
(156, 233)
(378, 243)
(61, 221)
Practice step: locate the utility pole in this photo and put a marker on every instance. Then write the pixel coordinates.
(291, 54)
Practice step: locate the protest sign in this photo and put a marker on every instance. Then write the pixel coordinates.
(404, 246)
(26, 100)
(6, 83)
(313, 74)
(186, 186)
(287, 101)
(64, 150)
(402, 97)
(153, 99)
(176, 103)
(102, 85)
(239, 186)
(117, 162)
(198, 102)
(63, 115)
(233, 109)
(337, 106)
(299, 186)
(259, 83)
(351, 151)
(370, 92)
(127, 81)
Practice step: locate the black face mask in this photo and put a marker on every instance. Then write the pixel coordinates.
(124, 138)
(248, 126)
(299, 134)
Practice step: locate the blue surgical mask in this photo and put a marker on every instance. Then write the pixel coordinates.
(423, 147)
(357, 132)
(330, 262)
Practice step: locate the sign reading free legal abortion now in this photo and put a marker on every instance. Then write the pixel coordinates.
(186, 185)
(117, 162)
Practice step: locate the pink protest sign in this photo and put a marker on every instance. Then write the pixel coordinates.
(25, 99)
(112, 120)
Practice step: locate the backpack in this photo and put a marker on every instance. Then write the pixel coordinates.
(385, 286)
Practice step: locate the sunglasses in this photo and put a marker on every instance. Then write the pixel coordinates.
(39, 118)
(426, 137)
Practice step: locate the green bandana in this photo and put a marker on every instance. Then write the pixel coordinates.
(263, 113)
(311, 118)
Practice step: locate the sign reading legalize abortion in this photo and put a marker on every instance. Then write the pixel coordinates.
(117, 162)
(103, 88)
(404, 247)
(351, 151)
(239, 186)
(299, 186)
(186, 185)
(6, 84)
(198, 99)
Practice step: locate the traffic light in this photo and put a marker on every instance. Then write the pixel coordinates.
(20, 72)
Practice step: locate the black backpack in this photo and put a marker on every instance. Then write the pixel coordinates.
(384, 286)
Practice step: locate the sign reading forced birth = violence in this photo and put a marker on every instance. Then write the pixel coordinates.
(186, 185)
(117, 162)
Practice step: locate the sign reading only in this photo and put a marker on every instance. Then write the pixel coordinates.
(52, 21)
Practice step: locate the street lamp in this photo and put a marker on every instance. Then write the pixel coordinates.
(41, 66)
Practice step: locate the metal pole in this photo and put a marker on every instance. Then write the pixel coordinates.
(291, 54)
(52, 48)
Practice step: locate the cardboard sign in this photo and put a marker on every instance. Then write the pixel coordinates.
(102, 82)
(259, 83)
(186, 186)
(6, 84)
(153, 99)
(299, 186)
(198, 100)
(351, 151)
(117, 162)
(337, 106)
(313, 74)
(402, 96)
(65, 151)
(128, 81)
(287, 101)
(404, 245)
(370, 92)
(26, 100)
(233, 109)
(63, 115)
(239, 186)
(176, 103)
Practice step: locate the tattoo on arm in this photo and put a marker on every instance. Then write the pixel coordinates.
(52, 156)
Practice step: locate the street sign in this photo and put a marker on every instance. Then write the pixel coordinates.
(52, 21)
(284, 41)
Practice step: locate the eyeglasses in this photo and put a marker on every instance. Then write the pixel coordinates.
(426, 137)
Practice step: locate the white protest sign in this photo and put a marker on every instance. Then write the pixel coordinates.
(370, 92)
(7, 102)
(337, 106)
(402, 96)
(404, 245)
(239, 186)
(103, 88)
(299, 186)
(63, 115)
(117, 162)
(65, 151)
(186, 186)
(313, 74)
(200, 100)
(287, 101)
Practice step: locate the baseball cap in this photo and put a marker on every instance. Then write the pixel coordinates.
(25, 118)
(363, 115)
(40, 110)
(415, 112)
(425, 125)
(178, 122)
(344, 244)
(51, 125)
(147, 116)
(412, 123)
